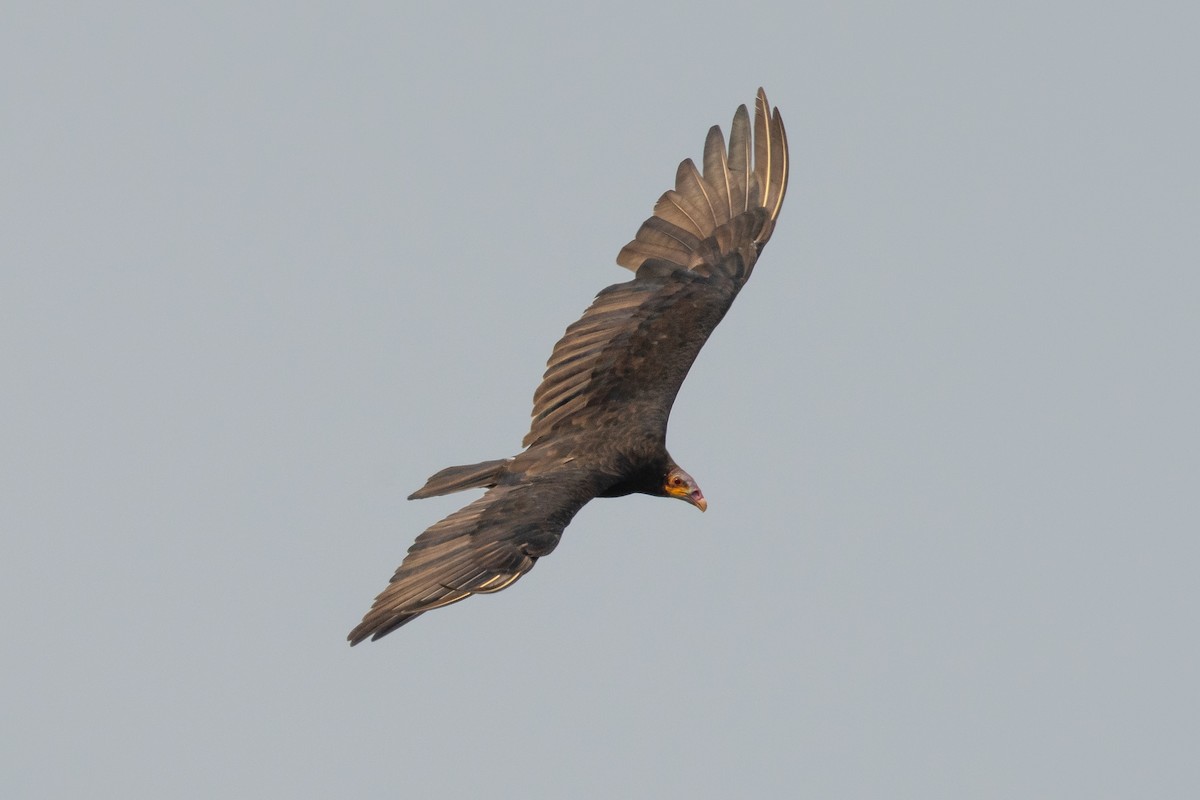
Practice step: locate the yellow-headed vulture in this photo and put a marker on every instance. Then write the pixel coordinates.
(600, 413)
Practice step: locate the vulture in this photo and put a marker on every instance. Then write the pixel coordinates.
(600, 414)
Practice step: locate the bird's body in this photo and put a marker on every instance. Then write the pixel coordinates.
(600, 414)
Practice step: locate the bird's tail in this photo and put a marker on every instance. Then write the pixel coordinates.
(469, 476)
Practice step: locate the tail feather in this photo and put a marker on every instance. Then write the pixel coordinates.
(468, 476)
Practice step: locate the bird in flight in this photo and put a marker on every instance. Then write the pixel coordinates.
(600, 414)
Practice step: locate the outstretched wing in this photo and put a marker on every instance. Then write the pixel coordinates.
(626, 358)
(479, 549)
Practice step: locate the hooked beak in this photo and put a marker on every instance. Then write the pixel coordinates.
(690, 494)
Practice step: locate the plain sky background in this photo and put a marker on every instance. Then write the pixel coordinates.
(265, 267)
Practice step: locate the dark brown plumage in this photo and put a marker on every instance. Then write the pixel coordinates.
(600, 413)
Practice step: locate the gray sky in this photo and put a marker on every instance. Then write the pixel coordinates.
(265, 269)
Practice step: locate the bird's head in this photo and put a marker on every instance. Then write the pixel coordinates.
(678, 483)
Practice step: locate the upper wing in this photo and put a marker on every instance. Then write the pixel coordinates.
(479, 549)
(626, 358)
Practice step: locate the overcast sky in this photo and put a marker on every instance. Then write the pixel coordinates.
(265, 267)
